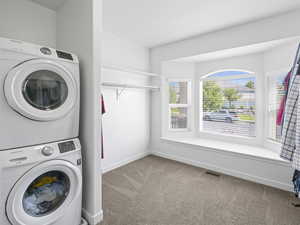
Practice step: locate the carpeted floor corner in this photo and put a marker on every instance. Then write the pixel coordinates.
(157, 191)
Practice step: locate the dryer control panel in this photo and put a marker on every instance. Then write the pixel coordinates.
(36, 50)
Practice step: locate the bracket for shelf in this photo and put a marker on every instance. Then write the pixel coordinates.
(119, 92)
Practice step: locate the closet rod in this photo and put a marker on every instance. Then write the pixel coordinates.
(121, 85)
(111, 68)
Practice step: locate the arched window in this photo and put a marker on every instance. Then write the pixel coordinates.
(228, 103)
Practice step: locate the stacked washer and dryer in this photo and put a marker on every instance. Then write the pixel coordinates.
(40, 155)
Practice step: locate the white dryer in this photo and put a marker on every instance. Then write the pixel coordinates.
(39, 95)
(41, 185)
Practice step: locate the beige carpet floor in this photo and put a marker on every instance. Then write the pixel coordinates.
(157, 191)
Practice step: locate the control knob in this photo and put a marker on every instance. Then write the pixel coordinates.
(46, 51)
(47, 151)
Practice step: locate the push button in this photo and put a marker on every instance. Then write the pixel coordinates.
(79, 162)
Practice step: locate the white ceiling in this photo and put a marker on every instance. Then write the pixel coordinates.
(51, 4)
(234, 52)
(155, 22)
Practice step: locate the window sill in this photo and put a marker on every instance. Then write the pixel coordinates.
(231, 148)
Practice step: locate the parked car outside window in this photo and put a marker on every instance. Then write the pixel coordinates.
(222, 115)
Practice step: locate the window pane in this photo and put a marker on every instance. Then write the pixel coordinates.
(276, 94)
(178, 92)
(229, 105)
(179, 118)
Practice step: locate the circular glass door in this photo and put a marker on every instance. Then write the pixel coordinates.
(46, 193)
(41, 90)
(45, 90)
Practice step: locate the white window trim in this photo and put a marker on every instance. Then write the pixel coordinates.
(261, 139)
(189, 105)
(251, 74)
(270, 143)
(254, 141)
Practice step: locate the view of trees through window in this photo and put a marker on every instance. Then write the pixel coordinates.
(228, 104)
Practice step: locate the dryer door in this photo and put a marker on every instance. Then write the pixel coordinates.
(44, 193)
(41, 90)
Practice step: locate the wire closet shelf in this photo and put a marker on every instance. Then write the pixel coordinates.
(121, 87)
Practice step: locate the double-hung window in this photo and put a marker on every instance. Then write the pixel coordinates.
(179, 105)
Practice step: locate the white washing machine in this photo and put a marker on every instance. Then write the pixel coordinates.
(41, 185)
(39, 94)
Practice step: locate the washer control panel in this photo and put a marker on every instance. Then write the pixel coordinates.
(39, 153)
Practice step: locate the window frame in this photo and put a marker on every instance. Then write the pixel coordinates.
(256, 140)
(188, 105)
(268, 142)
(194, 104)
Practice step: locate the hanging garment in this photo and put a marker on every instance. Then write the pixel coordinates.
(296, 182)
(102, 105)
(103, 111)
(280, 113)
(290, 149)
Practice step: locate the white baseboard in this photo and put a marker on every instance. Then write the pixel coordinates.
(92, 219)
(125, 161)
(245, 176)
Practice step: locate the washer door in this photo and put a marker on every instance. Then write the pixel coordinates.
(41, 90)
(44, 193)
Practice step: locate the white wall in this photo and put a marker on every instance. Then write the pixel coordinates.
(79, 30)
(127, 120)
(118, 51)
(274, 28)
(27, 21)
(243, 166)
(171, 69)
(281, 57)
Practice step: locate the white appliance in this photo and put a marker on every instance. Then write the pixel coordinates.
(41, 185)
(39, 94)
